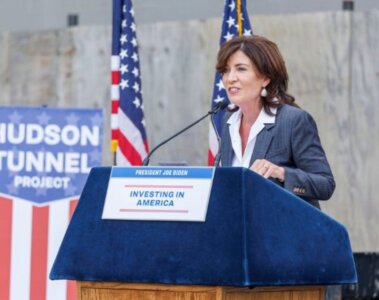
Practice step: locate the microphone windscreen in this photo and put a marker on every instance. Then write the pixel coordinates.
(223, 105)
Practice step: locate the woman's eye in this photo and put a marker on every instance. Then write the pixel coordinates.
(241, 69)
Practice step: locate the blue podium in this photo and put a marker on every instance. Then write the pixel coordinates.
(256, 234)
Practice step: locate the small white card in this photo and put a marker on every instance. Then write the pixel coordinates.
(158, 193)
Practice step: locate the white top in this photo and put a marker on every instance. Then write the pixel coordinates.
(234, 121)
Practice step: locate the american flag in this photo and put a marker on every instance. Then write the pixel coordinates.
(30, 236)
(235, 22)
(129, 139)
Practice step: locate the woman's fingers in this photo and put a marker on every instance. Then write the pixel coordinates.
(267, 169)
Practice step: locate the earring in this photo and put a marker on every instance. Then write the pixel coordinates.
(264, 92)
(231, 106)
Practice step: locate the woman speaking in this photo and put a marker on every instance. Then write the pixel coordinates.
(266, 130)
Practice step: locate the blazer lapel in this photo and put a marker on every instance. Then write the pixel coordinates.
(262, 143)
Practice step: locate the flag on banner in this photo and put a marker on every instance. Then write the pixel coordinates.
(30, 236)
(129, 139)
(235, 23)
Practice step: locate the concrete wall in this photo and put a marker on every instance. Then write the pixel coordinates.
(53, 14)
(334, 72)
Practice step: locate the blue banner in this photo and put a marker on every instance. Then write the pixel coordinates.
(47, 153)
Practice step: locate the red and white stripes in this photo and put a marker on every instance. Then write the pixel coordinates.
(30, 237)
(115, 99)
(132, 149)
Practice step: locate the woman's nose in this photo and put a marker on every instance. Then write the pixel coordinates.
(232, 76)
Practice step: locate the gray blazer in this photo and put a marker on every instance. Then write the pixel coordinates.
(293, 143)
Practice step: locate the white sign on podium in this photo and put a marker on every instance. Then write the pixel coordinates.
(158, 193)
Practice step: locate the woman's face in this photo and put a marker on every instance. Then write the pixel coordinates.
(242, 82)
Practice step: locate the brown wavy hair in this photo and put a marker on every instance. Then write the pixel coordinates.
(267, 61)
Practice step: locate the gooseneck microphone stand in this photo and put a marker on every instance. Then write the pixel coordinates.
(219, 106)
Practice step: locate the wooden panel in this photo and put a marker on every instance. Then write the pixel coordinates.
(118, 291)
(267, 295)
(309, 295)
(109, 294)
(276, 293)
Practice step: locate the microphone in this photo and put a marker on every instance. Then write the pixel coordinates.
(219, 106)
(217, 158)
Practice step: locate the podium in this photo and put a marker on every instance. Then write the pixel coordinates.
(258, 242)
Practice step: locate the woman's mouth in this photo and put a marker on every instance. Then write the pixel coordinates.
(233, 90)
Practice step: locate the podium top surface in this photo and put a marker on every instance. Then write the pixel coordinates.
(255, 234)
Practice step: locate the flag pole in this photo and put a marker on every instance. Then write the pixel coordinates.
(239, 16)
(114, 145)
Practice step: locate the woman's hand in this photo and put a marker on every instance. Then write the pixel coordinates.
(267, 169)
